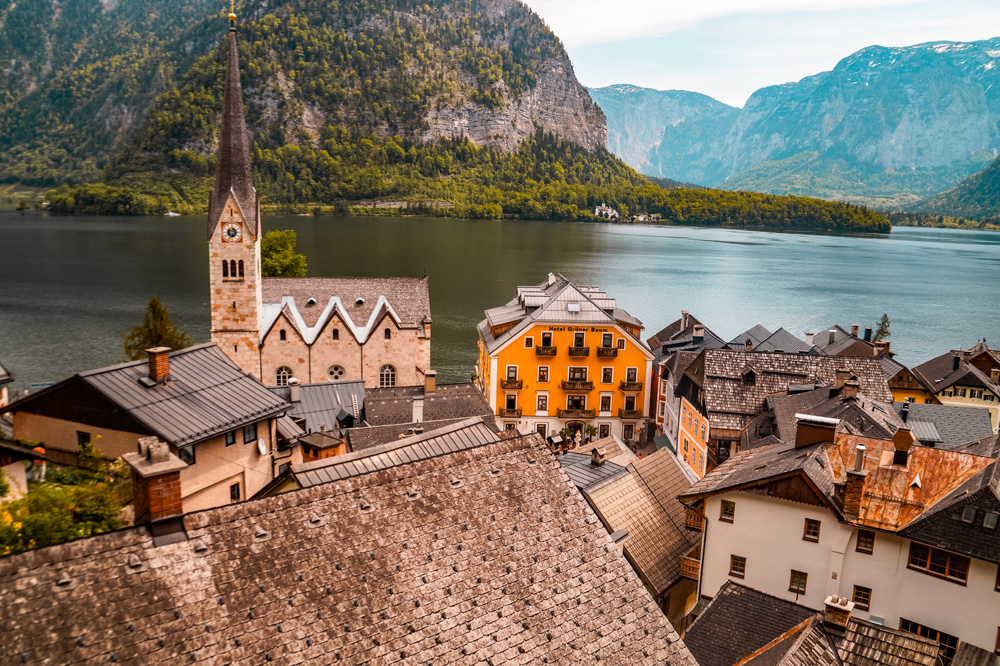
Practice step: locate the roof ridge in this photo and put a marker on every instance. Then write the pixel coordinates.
(128, 364)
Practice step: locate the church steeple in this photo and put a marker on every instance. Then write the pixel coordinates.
(232, 169)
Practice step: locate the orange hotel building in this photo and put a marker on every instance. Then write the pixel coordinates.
(561, 356)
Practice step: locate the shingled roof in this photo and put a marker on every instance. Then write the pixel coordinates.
(394, 405)
(487, 555)
(955, 424)
(940, 373)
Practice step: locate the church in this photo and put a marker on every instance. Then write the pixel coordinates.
(313, 329)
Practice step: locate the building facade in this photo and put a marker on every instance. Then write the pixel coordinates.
(565, 357)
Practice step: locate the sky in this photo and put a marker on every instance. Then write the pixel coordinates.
(729, 48)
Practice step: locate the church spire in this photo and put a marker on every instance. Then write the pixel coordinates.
(232, 168)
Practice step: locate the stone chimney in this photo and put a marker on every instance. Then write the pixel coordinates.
(699, 333)
(904, 412)
(832, 337)
(159, 364)
(902, 440)
(854, 329)
(430, 382)
(811, 430)
(596, 456)
(685, 314)
(837, 613)
(855, 485)
(809, 338)
(850, 389)
(843, 374)
(418, 408)
(294, 390)
(868, 333)
(156, 482)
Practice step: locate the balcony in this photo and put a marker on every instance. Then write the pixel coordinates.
(579, 352)
(541, 350)
(690, 568)
(575, 413)
(577, 385)
(630, 386)
(607, 352)
(510, 413)
(694, 521)
(511, 384)
(630, 413)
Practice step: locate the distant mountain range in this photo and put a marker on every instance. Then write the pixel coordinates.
(887, 127)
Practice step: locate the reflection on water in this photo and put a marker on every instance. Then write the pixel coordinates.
(70, 286)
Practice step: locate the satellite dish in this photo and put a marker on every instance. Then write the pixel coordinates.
(261, 447)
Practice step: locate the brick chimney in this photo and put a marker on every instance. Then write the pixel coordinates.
(843, 374)
(854, 329)
(850, 389)
(156, 481)
(902, 440)
(159, 363)
(837, 613)
(855, 484)
(430, 382)
(811, 430)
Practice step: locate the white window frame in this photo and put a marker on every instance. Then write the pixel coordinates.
(548, 375)
(621, 343)
(541, 338)
(601, 426)
(606, 412)
(635, 370)
(542, 412)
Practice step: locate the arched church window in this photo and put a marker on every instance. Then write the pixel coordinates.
(386, 376)
(241, 268)
(282, 335)
(336, 334)
(335, 373)
(388, 334)
(232, 267)
(225, 268)
(283, 375)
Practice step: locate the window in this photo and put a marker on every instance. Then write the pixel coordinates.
(230, 438)
(607, 375)
(510, 427)
(866, 542)
(234, 492)
(621, 343)
(186, 454)
(628, 432)
(605, 403)
(388, 334)
(969, 515)
(542, 429)
(578, 339)
(543, 374)
(662, 409)
(578, 374)
(606, 340)
(529, 342)
(512, 373)
(604, 430)
(811, 531)
(82, 438)
(225, 268)
(511, 401)
(737, 566)
(543, 402)
(249, 433)
(727, 511)
(284, 373)
(686, 445)
(797, 582)
(546, 339)
(862, 597)
(703, 433)
(947, 642)
(630, 402)
(988, 397)
(282, 335)
(939, 563)
(976, 394)
(576, 402)
(990, 520)
(386, 376)
(631, 374)
(232, 268)
(241, 267)
(335, 334)
(664, 387)
(335, 373)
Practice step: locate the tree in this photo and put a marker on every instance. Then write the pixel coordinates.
(278, 257)
(882, 332)
(156, 330)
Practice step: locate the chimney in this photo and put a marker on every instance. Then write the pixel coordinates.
(837, 613)
(809, 338)
(902, 440)
(596, 456)
(294, 389)
(855, 485)
(832, 336)
(854, 329)
(156, 490)
(868, 333)
(850, 389)
(159, 363)
(905, 411)
(995, 376)
(430, 382)
(699, 333)
(955, 361)
(418, 408)
(684, 319)
(552, 278)
(811, 430)
(843, 374)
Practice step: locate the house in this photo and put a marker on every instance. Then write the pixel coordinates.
(221, 422)
(321, 413)
(606, 211)
(760, 339)
(562, 357)
(882, 522)
(452, 552)
(741, 625)
(968, 377)
(945, 426)
(5, 378)
(376, 330)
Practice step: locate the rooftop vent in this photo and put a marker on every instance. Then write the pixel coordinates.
(359, 301)
(311, 301)
(811, 430)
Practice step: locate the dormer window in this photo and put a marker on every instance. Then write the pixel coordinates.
(991, 519)
(969, 515)
(748, 376)
(748, 345)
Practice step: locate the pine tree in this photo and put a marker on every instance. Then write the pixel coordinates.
(882, 332)
(156, 330)
(278, 257)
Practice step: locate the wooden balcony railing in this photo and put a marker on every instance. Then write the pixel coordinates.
(690, 568)
(607, 352)
(630, 413)
(579, 352)
(510, 413)
(542, 350)
(575, 413)
(693, 520)
(511, 384)
(630, 386)
(577, 385)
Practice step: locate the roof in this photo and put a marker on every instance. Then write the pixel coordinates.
(366, 437)
(359, 303)
(954, 424)
(587, 476)
(614, 450)
(644, 502)
(867, 644)
(940, 373)
(325, 403)
(988, 447)
(731, 402)
(970, 655)
(782, 341)
(677, 336)
(232, 170)
(5, 375)
(805, 644)
(386, 406)
(755, 335)
(403, 564)
(206, 395)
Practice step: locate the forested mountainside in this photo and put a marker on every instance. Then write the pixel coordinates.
(886, 127)
(976, 197)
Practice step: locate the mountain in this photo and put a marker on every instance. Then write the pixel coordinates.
(976, 197)
(887, 126)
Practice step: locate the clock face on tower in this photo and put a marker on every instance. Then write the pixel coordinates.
(232, 233)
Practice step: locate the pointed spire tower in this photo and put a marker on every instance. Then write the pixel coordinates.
(234, 231)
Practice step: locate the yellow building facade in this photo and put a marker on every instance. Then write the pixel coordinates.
(565, 358)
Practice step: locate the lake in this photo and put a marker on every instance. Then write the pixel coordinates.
(70, 286)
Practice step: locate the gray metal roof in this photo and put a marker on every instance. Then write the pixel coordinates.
(461, 436)
(926, 432)
(782, 340)
(324, 403)
(589, 477)
(955, 425)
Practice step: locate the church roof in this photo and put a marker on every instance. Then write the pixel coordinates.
(232, 171)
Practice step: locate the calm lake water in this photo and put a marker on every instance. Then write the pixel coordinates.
(70, 286)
